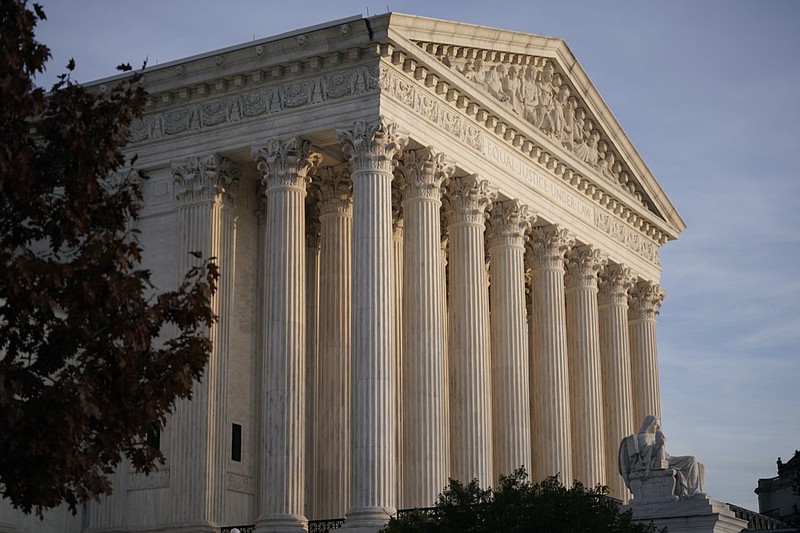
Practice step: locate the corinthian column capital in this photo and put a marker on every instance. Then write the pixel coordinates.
(423, 172)
(548, 247)
(333, 190)
(468, 199)
(286, 163)
(371, 146)
(645, 300)
(584, 264)
(615, 284)
(509, 221)
(199, 179)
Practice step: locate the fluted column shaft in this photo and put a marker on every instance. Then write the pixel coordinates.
(312, 358)
(397, 241)
(469, 366)
(425, 467)
(615, 283)
(511, 415)
(397, 255)
(333, 427)
(645, 299)
(583, 346)
(550, 410)
(370, 149)
(285, 166)
(205, 189)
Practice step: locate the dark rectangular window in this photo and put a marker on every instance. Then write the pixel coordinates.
(154, 437)
(236, 443)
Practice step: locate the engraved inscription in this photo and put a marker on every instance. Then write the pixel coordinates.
(589, 213)
(539, 181)
(239, 483)
(155, 480)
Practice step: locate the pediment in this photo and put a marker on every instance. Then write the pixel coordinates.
(538, 84)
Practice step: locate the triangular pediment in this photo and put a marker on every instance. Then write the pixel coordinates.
(537, 83)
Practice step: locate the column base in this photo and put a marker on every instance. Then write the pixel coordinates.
(288, 523)
(367, 520)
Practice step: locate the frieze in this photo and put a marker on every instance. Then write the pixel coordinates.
(632, 240)
(247, 106)
(427, 106)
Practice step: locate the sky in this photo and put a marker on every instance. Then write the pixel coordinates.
(707, 92)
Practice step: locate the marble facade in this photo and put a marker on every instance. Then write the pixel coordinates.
(439, 258)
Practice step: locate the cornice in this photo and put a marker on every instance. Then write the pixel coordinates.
(304, 47)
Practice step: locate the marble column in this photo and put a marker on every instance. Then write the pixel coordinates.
(469, 365)
(645, 299)
(397, 255)
(204, 190)
(443, 245)
(615, 283)
(370, 148)
(312, 353)
(589, 454)
(511, 410)
(550, 396)
(424, 452)
(284, 165)
(334, 190)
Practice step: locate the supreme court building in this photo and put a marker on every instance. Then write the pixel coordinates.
(439, 258)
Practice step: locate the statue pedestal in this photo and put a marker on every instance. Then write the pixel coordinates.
(696, 514)
(656, 486)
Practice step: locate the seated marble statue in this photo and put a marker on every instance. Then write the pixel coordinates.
(644, 453)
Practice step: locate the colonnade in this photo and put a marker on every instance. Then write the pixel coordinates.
(542, 355)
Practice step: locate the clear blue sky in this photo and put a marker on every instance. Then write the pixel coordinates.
(708, 93)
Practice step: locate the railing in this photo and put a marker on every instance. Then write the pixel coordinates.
(430, 511)
(757, 521)
(314, 526)
(323, 526)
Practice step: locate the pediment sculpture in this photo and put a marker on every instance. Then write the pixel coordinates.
(541, 95)
(650, 473)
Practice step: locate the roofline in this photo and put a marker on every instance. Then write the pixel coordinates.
(228, 49)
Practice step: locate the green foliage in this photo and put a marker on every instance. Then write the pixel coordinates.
(91, 355)
(518, 506)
